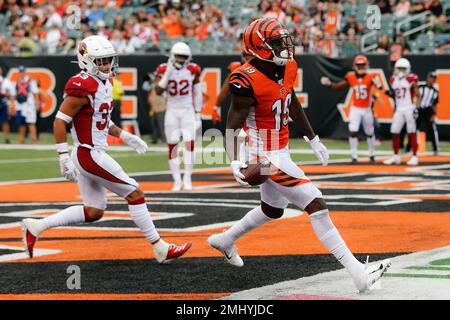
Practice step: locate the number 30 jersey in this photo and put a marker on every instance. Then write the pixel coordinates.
(181, 85)
(90, 125)
(267, 123)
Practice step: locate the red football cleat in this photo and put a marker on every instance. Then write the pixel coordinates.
(29, 240)
(173, 251)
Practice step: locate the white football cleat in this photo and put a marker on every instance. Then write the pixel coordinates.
(414, 161)
(31, 229)
(371, 275)
(187, 183)
(167, 252)
(395, 159)
(230, 252)
(177, 186)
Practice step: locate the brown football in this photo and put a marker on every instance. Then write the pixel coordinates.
(256, 173)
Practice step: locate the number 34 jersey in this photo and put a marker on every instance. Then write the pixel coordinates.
(267, 123)
(181, 85)
(90, 125)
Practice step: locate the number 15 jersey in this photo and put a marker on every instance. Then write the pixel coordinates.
(267, 123)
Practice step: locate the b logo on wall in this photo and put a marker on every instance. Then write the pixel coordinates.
(45, 80)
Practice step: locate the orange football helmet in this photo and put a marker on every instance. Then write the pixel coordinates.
(267, 39)
(361, 63)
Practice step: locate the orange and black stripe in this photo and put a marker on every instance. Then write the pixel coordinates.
(284, 179)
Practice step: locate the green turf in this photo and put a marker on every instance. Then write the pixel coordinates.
(428, 268)
(406, 275)
(40, 164)
(442, 262)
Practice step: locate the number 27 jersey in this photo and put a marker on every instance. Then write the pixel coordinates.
(90, 125)
(267, 123)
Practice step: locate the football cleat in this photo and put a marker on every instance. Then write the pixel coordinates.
(414, 161)
(31, 228)
(372, 160)
(177, 187)
(230, 252)
(354, 161)
(395, 159)
(187, 183)
(371, 274)
(169, 252)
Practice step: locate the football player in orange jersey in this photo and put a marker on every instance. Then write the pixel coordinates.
(362, 84)
(262, 100)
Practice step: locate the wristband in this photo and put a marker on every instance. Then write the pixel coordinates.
(62, 147)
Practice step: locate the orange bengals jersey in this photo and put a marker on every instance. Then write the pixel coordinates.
(267, 123)
(362, 88)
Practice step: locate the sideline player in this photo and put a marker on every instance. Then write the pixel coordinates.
(362, 84)
(405, 89)
(27, 105)
(263, 99)
(87, 107)
(181, 80)
(7, 92)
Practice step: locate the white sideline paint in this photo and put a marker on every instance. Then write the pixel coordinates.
(23, 255)
(338, 284)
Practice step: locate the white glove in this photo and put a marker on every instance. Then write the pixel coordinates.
(319, 149)
(134, 141)
(236, 167)
(325, 81)
(198, 121)
(170, 66)
(67, 168)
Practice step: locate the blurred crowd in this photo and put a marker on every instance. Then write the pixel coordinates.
(332, 28)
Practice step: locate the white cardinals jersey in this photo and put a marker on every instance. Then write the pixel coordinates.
(404, 90)
(181, 86)
(91, 124)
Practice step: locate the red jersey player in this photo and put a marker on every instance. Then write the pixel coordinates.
(87, 107)
(361, 83)
(263, 98)
(405, 88)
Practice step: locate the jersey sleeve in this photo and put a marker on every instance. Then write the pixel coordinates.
(240, 84)
(194, 69)
(161, 69)
(391, 80)
(348, 76)
(80, 86)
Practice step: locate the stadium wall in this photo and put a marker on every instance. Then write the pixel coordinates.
(326, 109)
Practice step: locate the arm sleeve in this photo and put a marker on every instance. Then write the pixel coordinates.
(239, 84)
(198, 97)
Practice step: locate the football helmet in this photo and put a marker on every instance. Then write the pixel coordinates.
(360, 64)
(404, 64)
(268, 39)
(95, 53)
(183, 50)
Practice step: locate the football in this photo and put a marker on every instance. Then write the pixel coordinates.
(257, 173)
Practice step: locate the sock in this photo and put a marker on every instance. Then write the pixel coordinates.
(332, 240)
(67, 217)
(353, 146)
(189, 159)
(371, 145)
(413, 140)
(141, 217)
(253, 219)
(174, 165)
(396, 143)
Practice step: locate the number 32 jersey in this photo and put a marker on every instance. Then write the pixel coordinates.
(90, 125)
(267, 123)
(181, 85)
